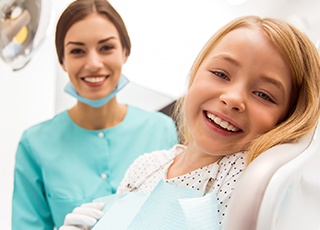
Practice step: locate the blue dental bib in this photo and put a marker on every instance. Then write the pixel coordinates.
(167, 207)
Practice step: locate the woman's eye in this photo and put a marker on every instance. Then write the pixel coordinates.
(76, 51)
(106, 48)
(264, 96)
(220, 74)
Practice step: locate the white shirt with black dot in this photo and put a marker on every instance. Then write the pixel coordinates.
(147, 170)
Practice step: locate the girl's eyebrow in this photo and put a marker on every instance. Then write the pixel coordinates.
(274, 82)
(227, 58)
(82, 44)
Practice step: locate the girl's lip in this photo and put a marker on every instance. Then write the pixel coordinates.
(224, 118)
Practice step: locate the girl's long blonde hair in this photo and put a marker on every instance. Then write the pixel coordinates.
(303, 60)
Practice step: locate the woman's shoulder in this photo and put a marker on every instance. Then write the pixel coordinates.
(46, 126)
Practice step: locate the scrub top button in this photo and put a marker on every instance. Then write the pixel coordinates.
(101, 134)
(104, 176)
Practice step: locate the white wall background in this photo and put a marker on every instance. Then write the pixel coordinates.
(166, 37)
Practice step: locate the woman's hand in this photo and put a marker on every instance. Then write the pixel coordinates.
(83, 217)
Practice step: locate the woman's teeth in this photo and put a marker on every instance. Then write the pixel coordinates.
(94, 79)
(222, 123)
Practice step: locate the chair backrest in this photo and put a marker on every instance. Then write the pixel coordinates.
(280, 189)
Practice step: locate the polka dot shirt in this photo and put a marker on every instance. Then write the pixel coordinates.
(219, 177)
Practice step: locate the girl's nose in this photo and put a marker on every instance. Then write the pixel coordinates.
(234, 99)
(93, 62)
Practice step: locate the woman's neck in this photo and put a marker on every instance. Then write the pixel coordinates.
(103, 117)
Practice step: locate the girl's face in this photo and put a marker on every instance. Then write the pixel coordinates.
(93, 56)
(241, 89)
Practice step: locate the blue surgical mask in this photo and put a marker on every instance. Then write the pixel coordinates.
(123, 81)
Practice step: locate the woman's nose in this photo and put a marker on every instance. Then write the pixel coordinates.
(93, 62)
(234, 99)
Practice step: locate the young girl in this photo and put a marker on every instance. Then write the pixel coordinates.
(83, 153)
(254, 85)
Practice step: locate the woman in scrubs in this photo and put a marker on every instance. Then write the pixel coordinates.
(83, 153)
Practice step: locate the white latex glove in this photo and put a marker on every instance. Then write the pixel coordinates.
(83, 217)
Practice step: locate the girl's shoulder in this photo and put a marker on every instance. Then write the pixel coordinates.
(146, 166)
(231, 167)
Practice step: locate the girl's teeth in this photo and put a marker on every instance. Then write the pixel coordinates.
(231, 128)
(224, 124)
(215, 119)
(220, 122)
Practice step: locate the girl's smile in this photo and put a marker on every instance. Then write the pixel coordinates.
(222, 125)
(241, 89)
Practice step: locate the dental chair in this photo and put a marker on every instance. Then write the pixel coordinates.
(280, 189)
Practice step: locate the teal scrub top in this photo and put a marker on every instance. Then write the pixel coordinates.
(60, 165)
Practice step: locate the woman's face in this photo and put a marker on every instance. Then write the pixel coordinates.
(241, 89)
(93, 56)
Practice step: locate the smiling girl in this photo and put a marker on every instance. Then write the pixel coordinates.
(254, 85)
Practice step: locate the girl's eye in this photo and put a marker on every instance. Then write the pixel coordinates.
(220, 74)
(264, 96)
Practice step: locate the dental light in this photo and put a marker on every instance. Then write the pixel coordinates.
(24, 24)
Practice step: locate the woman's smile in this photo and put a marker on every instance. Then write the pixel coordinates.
(93, 59)
(95, 81)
